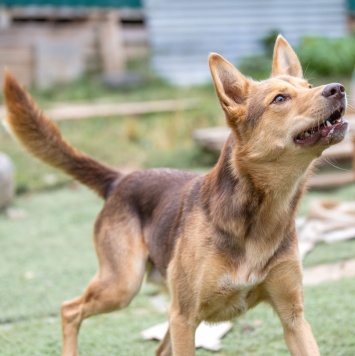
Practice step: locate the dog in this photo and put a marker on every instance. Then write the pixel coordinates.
(222, 242)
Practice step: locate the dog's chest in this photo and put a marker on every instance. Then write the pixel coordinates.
(230, 297)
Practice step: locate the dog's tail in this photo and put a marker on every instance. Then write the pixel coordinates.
(41, 137)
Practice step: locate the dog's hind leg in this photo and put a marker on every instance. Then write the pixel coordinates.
(122, 257)
(164, 348)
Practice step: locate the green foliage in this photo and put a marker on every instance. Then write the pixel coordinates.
(257, 67)
(269, 41)
(188, 157)
(325, 57)
(319, 56)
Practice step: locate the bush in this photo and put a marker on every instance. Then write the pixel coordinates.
(327, 57)
(257, 67)
(318, 55)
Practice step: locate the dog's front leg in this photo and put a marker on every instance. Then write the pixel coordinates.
(285, 290)
(182, 334)
(300, 339)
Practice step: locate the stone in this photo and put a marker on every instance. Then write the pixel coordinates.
(7, 181)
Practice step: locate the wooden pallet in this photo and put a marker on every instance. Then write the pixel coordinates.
(44, 54)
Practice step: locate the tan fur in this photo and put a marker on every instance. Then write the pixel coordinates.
(42, 138)
(222, 242)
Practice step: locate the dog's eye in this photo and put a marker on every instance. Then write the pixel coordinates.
(279, 99)
(310, 86)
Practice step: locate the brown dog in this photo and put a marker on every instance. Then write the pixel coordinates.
(223, 242)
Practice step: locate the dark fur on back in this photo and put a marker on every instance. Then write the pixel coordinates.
(160, 198)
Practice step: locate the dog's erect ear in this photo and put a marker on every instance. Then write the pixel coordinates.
(231, 86)
(285, 60)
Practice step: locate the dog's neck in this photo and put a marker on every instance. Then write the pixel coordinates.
(237, 193)
(252, 208)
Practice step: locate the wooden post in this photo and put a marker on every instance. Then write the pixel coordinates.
(111, 44)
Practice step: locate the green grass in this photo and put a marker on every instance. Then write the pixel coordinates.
(48, 254)
(48, 257)
(328, 309)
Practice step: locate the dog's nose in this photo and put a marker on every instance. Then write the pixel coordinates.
(334, 90)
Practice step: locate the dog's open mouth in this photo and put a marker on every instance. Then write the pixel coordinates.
(330, 131)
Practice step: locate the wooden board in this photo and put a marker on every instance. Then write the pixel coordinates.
(85, 111)
(111, 44)
(327, 180)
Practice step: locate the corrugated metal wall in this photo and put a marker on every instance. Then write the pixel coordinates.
(183, 32)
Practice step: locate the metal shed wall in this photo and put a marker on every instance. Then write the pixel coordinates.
(183, 32)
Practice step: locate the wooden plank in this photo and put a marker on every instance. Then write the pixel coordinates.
(84, 111)
(327, 180)
(111, 45)
(102, 110)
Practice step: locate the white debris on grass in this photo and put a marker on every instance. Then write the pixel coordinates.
(208, 336)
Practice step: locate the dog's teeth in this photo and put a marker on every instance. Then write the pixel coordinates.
(306, 134)
(328, 123)
(338, 120)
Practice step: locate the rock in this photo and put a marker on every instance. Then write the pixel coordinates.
(7, 183)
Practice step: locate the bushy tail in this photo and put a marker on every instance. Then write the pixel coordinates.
(41, 137)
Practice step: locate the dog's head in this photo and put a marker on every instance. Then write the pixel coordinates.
(283, 116)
